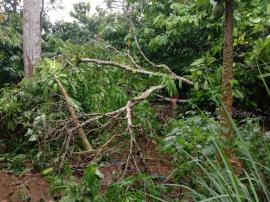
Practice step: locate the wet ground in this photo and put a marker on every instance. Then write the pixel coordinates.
(33, 187)
(29, 187)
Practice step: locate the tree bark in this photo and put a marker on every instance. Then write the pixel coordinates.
(31, 35)
(227, 76)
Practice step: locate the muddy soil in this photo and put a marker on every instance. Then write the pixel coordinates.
(30, 187)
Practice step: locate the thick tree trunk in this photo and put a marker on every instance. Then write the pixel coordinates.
(31, 35)
(227, 99)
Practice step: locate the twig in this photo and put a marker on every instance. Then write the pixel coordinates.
(98, 117)
(129, 156)
(65, 150)
(106, 145)
(133, 61)
(129, 118)
(144, 56)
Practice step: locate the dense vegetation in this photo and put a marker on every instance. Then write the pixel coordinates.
(134, 111)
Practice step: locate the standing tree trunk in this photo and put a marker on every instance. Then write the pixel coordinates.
(31, 35)
(227, 76)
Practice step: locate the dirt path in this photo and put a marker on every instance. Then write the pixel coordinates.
(30, 187)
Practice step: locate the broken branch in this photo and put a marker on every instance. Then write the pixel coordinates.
(140, 71)
(75, 120)
(134, 101)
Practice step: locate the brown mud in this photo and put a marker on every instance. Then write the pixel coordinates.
(29, 187)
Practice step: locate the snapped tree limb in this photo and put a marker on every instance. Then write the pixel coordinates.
(139, 71)
(75, 120)
(128, 109)
(132, 101)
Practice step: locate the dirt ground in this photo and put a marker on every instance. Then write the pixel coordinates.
(150, 161)
(30, 187)
(33, 187)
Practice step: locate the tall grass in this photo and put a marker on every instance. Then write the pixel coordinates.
(220, 181)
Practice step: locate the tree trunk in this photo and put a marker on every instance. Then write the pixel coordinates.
(31, 35)
(227, 76)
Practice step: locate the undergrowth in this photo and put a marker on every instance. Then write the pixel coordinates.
(204, 170)
(32, 111)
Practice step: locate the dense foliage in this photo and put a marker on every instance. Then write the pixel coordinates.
(10, 52)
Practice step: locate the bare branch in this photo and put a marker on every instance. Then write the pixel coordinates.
(142, 53)
(134, 101)
(129, 117)
(139, 71)
(75, 120)
(167, 99)
(98, 117)
(133, 61)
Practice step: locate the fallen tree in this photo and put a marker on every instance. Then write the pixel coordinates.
(123, 116)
